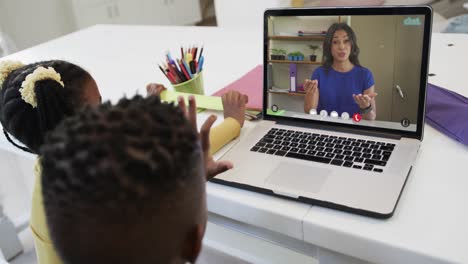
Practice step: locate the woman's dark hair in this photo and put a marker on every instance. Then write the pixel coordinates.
(327, 44)
(54, 102)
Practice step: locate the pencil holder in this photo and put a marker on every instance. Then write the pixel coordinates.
(193, 86)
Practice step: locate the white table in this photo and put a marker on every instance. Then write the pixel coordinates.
(430, 222)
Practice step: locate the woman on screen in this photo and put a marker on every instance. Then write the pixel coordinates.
(341, 84)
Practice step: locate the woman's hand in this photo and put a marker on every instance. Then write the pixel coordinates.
(311, 97)
(311, 86)
(212, 167)
(234, 106)
(154, 89)
(364, 100)
(367, 100)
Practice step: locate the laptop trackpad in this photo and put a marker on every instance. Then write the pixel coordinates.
(291, 177)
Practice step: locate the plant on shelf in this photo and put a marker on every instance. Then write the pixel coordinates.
(278, 54)
(296, 56)
(314, 48)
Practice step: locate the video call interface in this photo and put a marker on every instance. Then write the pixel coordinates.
(360, 70)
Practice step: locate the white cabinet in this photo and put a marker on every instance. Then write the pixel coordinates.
(171, 12)
(91, 12)
(126, 12)
(155, 12)
(184, 12)
(149, 12)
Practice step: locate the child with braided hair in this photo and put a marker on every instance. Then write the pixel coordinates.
(35, 98)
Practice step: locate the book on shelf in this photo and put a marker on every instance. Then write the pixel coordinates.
(278, 90)
(274, 89)
(284, 34)
(304, 33)
(292, 77)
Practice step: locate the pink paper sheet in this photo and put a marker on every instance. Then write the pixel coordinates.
(250, 84)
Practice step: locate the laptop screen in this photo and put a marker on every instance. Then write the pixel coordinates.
(353, 69)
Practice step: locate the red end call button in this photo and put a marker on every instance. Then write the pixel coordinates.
(357, 117)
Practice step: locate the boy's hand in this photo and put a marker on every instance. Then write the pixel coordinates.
(154, 89)
(212, 167)
(234, 105)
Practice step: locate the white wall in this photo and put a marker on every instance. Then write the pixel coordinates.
(245, 14)
(30, 22)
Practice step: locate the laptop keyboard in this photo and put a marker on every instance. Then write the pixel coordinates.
(354, 153)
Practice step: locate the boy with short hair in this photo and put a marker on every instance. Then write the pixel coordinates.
(126, 183)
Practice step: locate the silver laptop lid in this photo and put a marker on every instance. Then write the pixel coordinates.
(361, 68)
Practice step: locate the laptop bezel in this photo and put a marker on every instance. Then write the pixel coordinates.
(354, 11)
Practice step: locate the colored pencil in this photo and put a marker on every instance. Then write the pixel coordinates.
(183, 69)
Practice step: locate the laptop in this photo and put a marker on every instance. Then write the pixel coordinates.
(343, 107)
